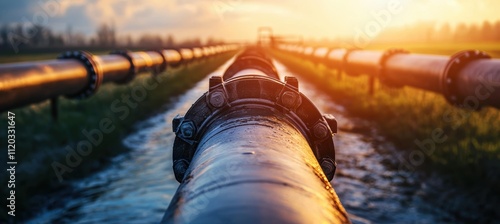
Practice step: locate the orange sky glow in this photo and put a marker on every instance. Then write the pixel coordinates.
(239, 19)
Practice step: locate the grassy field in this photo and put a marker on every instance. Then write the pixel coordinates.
(41, 142)
(467, 154)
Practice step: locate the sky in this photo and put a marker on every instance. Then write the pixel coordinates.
(240, 19)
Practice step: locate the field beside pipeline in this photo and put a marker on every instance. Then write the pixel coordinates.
(95, 126)
(462, 147)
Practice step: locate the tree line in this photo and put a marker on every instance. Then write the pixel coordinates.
(430, 32)
(15, 37)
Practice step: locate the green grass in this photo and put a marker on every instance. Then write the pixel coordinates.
(40, 141)
(468, 158)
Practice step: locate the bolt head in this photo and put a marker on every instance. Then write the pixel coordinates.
(329, 167)
(217, 99)
(320, 130)
(176, 122)
(188, 129)
(289, 99)
(180, 169)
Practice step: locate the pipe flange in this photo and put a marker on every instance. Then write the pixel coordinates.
(94, 72)
(345, 65)
(161, 68)
(382, 66)
(453, 67)
(324, 60)
(132, 70)
(261, 91)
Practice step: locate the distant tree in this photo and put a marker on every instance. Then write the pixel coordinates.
(496, 31)
(461, 32)
(169, 42)
(79, 39)
(69, 35)
(106, 35)
(444, 33)
(39, 35)
(473, 34)
(93, 42)
(196, 42)
(4, 32)
(487, 33)
(150, 41)
(213, 41)
(129, 42)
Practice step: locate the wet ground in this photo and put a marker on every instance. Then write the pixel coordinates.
(138, 186)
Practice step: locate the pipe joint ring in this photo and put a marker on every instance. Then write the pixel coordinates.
(94, 72)
(250, 91)
(132, 70)
(344, 67)
(161, 68)
(453, 67)
(382, 66)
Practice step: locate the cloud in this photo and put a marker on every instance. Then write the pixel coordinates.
(237, 19)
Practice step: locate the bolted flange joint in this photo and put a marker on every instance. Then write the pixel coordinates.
(94, 72)
(329, 167)
(449, 76)
(260, 92)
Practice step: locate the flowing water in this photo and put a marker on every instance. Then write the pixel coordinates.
(138, 186)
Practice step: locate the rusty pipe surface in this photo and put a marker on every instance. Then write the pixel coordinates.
(467, 78)
(79, 74)
(253, 149)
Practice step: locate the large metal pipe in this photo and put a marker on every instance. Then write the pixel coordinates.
(249, 151)
(79, 74)
(25, 83)
(480, 80)
(416, 70)
(466, 78)
(115, 67)
(251, 58)
(173, 57)
(253, 166)
(197, 53)
(361, 62)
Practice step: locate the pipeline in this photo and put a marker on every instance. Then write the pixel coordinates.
(253, 149)
(79, 74)
(469, 79)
